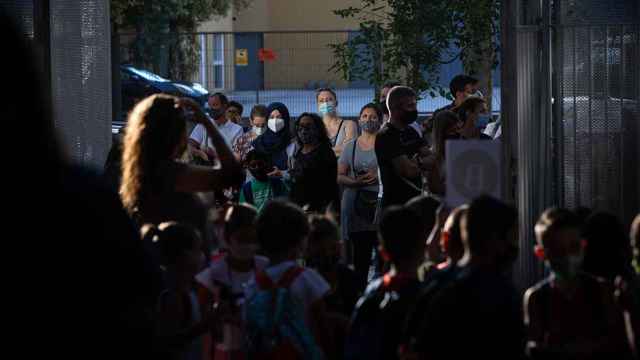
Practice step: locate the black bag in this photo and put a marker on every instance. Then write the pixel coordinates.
(366, 201)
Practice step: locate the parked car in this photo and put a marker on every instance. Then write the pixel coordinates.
(137, 84)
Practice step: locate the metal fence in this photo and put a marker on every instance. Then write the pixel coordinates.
(263, 67)
(597, 114)
(72, 39)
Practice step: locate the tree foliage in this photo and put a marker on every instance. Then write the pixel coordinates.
(410, 39)
(164, 29)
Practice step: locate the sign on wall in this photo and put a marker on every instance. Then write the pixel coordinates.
(242, 57)
(473, 168)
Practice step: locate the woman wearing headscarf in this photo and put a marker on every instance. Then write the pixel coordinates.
(277, 137)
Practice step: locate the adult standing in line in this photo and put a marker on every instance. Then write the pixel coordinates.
(339, 131)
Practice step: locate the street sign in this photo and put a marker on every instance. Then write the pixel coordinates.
(242, 57)
(473, 168)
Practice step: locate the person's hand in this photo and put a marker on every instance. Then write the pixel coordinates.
(276, 172)
(199, 117)
(369, 178)
(200, 154)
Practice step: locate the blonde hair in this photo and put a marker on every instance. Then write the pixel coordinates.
(155, 128)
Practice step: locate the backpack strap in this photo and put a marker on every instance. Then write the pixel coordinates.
(263, 281)
(289, 276)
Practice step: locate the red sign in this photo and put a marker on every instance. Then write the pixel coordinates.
(266, 55)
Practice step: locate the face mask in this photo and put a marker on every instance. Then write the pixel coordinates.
(276, 125)
(258, 130)
(308, 135)
(327, 108)
(370, 126)
(567, 268)
(483, 120)
(243, 251)
(259, 174)
(409, 117)
(477, 94)
(215, 113)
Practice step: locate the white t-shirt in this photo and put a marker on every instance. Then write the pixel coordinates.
(229, 131)
(307, 288)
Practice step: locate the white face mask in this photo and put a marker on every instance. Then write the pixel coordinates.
(276, 125)
(259, 130)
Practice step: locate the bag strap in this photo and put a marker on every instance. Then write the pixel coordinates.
(289, 276)
(353, 158)
(335, 140)
(264, 281)
(248, 193)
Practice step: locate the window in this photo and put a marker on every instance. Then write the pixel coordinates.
(218, 61)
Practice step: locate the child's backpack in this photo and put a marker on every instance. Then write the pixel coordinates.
(275, 321)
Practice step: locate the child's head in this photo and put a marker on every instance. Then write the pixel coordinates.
(402, 236)
(282, 230)
(489, 233)
(559, 241)
(240, 231)
(179, 246)
(427, 209)
(258, 164)
(451, 237)
(608, 252)
(323, 246)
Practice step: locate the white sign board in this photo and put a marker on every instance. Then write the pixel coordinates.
(473, 168)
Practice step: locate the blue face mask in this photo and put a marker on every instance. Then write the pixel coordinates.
(483, 120)
(327, 108)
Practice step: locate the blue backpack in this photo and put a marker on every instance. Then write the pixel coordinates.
(275, 322)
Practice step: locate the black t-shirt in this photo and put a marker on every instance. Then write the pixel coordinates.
(390, 144)
(314, 177)
(476, 316)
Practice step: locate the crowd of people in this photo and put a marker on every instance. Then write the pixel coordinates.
(329, 238)
(308, 238)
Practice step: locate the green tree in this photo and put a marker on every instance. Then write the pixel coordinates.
(164, 29)
(410, 39)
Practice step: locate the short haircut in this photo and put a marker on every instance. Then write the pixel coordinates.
(401, 233)
(172, 240)
(237, 105)
(257, 155)
(222, 97)
(239, 216)
(459, 82)
(552, 220)
(488, 220)
(375, 108)
(426, 207)
(323, 228)
(259, 110)
(321, 90)
(281, 227)
(398, 93)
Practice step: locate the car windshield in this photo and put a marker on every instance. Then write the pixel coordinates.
(147, 75)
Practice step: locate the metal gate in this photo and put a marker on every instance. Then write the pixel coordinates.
(571, 111)
(597, 112)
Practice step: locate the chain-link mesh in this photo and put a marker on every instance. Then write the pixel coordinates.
(600, 110)
(81, 77)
